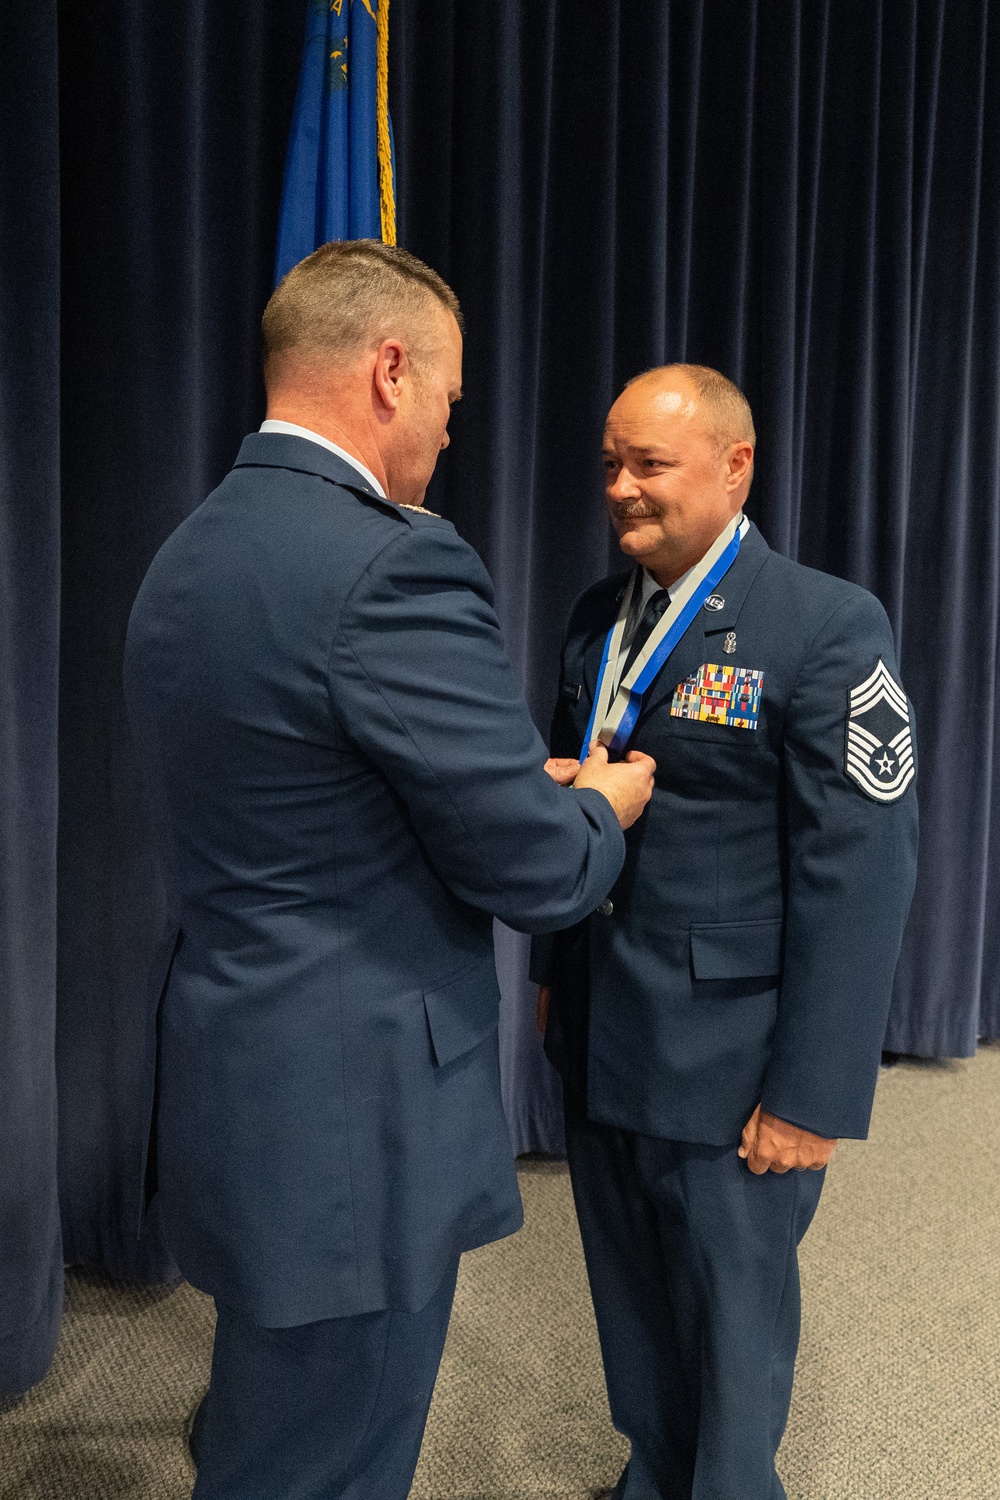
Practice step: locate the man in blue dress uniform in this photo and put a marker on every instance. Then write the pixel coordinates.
(346, 787)
(718, 1020)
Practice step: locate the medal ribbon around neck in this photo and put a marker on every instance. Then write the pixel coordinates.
(613, 721)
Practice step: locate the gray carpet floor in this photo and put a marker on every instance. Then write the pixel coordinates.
(898, 1388)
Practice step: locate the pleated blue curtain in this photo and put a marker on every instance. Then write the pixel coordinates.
(139, 187)
(30, 1244)
(805, 196)
(173, 127)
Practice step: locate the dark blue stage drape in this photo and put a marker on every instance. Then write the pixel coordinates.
(160, 138)
(804, 194)
(173, 121)
(808, 197)
(30, 1248)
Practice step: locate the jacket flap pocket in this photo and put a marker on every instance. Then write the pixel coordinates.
(462, 1012)
(736, 950)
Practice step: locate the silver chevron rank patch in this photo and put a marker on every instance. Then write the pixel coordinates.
(879, 754)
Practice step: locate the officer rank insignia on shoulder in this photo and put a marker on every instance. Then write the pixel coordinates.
(720, 695)
(879, 752)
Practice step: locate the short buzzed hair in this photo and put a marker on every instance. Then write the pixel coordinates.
(727, 410)
(346, 297)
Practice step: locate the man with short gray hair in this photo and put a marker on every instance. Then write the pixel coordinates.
(346, 788)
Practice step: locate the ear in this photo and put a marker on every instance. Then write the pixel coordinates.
(738, 465)
(392, 366)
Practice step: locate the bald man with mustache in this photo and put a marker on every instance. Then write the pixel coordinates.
(718, 1020)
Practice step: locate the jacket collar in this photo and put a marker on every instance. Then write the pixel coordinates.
(280, 450)
(735, 586)
(732, 590)
(703, 632)
(704, 637)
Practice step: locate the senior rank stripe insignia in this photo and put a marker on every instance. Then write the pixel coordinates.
(879, 750)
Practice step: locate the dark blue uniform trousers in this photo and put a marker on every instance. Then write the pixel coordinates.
(693, 1269)
(325, 1411)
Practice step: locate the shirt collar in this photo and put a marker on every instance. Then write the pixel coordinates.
(292, 429)
(649, 584)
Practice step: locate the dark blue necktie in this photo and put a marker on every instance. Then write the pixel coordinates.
(649, 619)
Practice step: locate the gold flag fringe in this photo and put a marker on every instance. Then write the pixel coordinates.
(387, 200)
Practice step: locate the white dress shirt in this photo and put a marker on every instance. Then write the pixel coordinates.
(292, 429)
(647, 588)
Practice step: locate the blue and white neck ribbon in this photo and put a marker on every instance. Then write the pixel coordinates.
(613, 715)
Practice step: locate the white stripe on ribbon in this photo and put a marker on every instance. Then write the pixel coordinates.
(612, 708)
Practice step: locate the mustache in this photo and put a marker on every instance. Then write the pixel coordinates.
(631, 510)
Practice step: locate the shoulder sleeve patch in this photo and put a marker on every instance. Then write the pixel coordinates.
(879, 751)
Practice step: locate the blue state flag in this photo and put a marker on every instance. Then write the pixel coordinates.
(338, 172)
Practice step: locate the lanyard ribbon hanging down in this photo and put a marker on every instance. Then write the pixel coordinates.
(612, 722)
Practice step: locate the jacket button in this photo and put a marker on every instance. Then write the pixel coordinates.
(606, 908)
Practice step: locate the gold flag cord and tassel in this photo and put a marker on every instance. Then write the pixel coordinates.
(387, 199)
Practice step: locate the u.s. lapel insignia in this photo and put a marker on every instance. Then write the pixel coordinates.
(879, 752)
(720, 695)
(715, 602)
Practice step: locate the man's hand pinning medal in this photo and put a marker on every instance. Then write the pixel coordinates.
(627, 783)
(563, 769)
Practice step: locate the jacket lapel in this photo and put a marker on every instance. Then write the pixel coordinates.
(685, 659)
(704, 637)
(594, 649)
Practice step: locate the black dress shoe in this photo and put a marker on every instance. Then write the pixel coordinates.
(194, 1426)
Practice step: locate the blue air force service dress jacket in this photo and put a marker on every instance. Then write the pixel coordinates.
(747, 951)
(346, 786)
